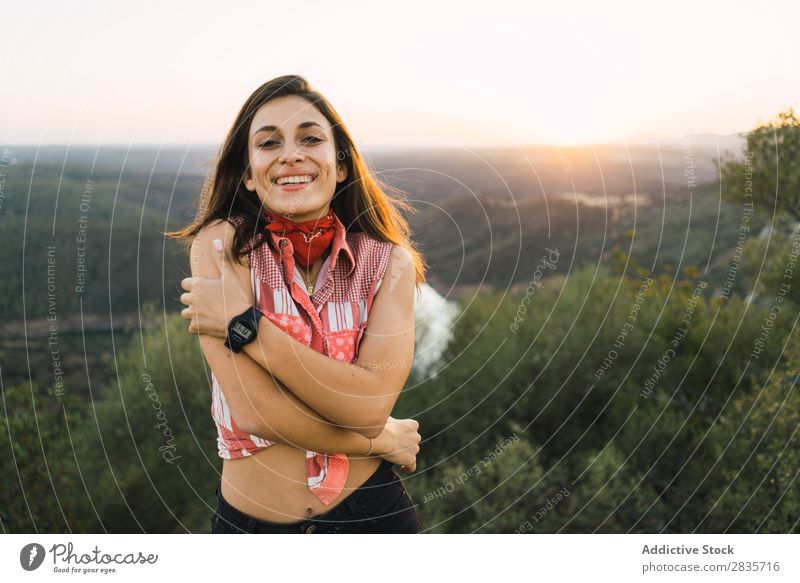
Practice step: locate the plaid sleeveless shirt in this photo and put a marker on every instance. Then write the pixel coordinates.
(332, 321)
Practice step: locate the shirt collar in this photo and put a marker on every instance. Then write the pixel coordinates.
(339, 244)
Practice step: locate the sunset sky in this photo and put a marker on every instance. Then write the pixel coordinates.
(413, 73)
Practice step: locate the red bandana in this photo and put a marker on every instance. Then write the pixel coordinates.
(309, 238)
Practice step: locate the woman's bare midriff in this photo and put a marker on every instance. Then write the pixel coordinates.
(272, 484)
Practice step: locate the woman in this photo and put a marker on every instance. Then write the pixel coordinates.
(291, 222)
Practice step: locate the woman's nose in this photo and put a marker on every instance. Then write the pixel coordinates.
(290, 153)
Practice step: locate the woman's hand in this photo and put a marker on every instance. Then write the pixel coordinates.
(211, 303)
(399, 443)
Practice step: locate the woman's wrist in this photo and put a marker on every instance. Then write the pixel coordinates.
(258, 349)
(382, 444)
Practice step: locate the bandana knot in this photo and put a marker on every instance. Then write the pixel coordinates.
(309, 238)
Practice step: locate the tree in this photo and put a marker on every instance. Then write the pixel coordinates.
(770, 170)
(759, 458)
(767, 181)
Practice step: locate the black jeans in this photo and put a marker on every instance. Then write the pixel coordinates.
(379, 505)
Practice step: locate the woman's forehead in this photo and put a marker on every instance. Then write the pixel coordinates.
(287, 113)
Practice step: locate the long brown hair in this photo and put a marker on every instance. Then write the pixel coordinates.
(360, 201)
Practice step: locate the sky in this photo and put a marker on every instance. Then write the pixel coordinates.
(418, 73)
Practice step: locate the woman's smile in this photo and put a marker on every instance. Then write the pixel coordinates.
(295, 181)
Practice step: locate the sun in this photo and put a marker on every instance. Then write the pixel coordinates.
(571, 128)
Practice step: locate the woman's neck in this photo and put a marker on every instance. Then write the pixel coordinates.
(314, 269)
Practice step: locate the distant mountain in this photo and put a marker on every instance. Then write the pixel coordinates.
(710, 143)
(159, 160)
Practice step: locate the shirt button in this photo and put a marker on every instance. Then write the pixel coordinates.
(311, 529)
(283, 243)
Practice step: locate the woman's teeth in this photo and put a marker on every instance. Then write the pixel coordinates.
(294, 179)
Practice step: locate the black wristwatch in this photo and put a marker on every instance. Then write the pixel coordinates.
(243, 329)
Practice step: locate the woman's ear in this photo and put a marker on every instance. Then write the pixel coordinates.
(341, 172)
(248, 181)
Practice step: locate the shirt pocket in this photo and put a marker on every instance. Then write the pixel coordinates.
(343, 326)
(279, 307)
(294, 326)
(343, 344)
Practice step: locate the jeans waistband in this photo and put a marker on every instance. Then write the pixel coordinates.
(325, 522)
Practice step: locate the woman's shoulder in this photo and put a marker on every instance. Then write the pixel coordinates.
(400, 260)
(227, 224)
(217, 229)
(222, 229)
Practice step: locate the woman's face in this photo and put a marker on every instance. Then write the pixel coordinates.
(289, 136)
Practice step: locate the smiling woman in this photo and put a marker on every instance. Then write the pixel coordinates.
(308, 139)
(302, 284)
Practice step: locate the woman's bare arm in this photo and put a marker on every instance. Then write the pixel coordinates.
(361, 395)
(259, 405)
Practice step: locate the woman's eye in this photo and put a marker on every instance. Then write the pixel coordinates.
(269, 143)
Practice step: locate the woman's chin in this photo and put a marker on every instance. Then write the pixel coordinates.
(282, 207)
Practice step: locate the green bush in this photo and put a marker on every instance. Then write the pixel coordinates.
(648, 452)
(154, 445)
(140, 457)
(706, 450)
(44, 486)
(758, 450)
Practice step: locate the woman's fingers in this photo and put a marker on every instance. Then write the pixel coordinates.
(188, 283)
(189, 314)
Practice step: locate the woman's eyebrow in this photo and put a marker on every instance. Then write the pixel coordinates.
(305, 124)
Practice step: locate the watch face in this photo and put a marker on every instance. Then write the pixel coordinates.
(242, 330)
